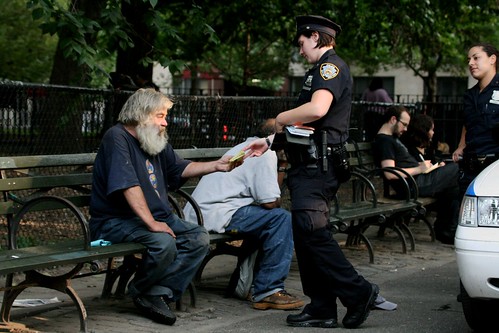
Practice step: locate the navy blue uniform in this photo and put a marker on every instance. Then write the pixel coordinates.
(481, 115)
(481, 120)
(325, 272)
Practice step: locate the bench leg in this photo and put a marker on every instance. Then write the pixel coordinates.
(122, 274)
(355, 235)
(9, 296)
(400, 235)
(12, 327)
(369, 246)
(82, 312)
(219, 249)
(428, 224)
(35, 279)
(405, 228)
(193, 298)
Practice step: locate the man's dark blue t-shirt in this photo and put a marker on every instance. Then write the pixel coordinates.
(120, 164)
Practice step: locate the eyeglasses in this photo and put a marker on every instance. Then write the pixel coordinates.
(403, 123)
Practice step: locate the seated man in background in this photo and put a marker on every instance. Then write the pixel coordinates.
(133, 170)
(441, 183)
(246, 201)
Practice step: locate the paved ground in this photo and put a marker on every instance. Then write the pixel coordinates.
(423, 283)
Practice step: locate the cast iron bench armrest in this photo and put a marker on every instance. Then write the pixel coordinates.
(411, 182)
(52, 202)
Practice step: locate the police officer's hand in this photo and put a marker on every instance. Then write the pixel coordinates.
(256, 148)
(457, 154)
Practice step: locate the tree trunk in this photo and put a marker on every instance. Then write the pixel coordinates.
(60, 129)
(129, 61)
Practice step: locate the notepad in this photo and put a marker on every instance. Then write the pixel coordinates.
(300, 130)
(433, 167)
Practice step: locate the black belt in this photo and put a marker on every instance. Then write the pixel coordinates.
(478, 162)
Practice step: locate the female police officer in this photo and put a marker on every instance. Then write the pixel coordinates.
(479, 143)
(324, 104)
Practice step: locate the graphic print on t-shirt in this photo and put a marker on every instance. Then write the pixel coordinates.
(152, 176)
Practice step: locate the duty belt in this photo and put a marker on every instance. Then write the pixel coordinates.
(478, 162)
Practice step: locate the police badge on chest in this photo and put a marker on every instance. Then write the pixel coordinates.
(494, 99)
(308, 83)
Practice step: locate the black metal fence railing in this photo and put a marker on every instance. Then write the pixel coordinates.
(47, 119)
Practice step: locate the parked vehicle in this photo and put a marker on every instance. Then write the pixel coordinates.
(477, 250)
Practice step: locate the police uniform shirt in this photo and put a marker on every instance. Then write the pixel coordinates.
(333, 74)
(481, 118)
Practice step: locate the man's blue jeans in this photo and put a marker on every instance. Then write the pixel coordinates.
(169, 264)
(272, 228)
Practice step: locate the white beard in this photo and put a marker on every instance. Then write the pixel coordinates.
(151, 141)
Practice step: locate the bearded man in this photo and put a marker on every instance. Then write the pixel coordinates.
(441, 183)
(134, 168)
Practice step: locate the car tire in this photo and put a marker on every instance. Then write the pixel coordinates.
(480, 314)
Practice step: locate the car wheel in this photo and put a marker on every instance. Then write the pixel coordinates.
(479, 313)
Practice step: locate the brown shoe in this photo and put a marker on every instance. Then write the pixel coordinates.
(280, 300)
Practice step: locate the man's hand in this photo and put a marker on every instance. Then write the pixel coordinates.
(225, 164)
(161, 227)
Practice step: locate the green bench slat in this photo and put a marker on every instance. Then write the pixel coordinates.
(21, 162)
(41, 257)
(40, 182)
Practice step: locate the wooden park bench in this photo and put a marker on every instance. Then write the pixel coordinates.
(44, 210)
(365, 201)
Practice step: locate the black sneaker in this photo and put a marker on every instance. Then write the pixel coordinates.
(155, 308)
(304, 319)
(357, 314)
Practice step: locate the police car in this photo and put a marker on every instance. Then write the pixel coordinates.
(477, 250)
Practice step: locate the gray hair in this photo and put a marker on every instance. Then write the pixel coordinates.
(141, 105)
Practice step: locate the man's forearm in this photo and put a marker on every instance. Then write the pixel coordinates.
(273, 204)
(196, 169)
(136, 200)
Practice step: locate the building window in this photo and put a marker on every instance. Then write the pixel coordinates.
(451, 87)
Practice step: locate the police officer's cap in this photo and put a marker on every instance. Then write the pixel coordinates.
(316, 23)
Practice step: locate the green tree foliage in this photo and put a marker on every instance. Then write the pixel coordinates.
(249, 41)
(426, 36)
(27, 54)
(90, 32)
(255, 43)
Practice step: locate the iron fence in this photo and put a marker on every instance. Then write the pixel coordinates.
(47, 119)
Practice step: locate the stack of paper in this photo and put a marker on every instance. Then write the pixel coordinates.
(299, 130)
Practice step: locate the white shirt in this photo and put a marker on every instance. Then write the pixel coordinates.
(221, 194)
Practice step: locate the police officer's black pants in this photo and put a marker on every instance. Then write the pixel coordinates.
(325, 272)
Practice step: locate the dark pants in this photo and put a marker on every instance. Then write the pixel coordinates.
(325, 272)
(443, 184)
(169, 264)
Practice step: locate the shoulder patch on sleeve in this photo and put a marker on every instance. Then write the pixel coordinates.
(329, 71)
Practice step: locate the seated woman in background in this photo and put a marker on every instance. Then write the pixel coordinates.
(418, 140)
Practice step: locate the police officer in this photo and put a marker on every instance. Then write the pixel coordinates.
(479, 144)
(324, 104)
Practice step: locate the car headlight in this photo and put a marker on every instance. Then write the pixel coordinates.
(481, 211)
